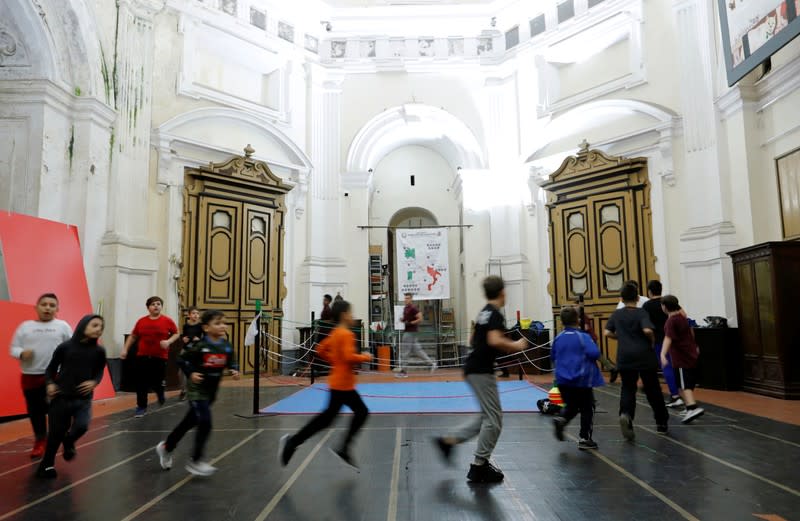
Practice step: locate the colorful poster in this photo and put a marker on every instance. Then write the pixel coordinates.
(422, 264)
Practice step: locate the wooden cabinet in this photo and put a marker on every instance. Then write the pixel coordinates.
(767, 278)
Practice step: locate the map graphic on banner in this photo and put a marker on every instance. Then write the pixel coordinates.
(422, 264)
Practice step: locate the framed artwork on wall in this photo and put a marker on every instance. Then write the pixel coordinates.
(754, 30)
(788, 167)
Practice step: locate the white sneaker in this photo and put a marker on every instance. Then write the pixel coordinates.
(164, 457)
(692, 415)
(434, 366)
(200, 468)
(677, 402)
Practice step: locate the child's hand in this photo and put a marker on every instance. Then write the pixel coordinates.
(87, 387)
(235, 374)
(164, 344)
(664, 361)
(197, 378)
(52, 390)
(521, 344)
(26, 355)
(185, 339)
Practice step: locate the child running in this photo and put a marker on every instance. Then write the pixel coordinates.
(339, 348)
(488, 341)
(203, 362)
(679, 343)
(33, 344)
(575, 355)
(75, 370)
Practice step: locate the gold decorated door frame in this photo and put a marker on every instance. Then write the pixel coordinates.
(600, 231)
(233, 230)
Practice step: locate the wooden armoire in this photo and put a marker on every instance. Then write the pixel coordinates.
(600, 233)
(767, 279)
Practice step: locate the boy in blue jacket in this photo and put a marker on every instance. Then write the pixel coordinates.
(575, 355)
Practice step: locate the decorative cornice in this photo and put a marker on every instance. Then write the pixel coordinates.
(770, 89)
(357, 180)
(735, 99)
(53, 95)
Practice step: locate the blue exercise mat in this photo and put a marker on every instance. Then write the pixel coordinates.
(413, 397)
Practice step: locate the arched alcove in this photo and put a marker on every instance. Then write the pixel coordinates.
(411, 217)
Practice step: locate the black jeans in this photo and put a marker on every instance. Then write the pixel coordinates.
(198, 415)
(36, 403)
(578, 400)
(150, 373)
(652, 389)
(321, 421)
(69, 420)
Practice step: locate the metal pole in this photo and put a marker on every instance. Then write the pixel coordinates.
(257, 359)
(311, 357)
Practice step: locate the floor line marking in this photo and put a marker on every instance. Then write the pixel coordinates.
(179, 484)
(391, 514)
(765, 435)
(726, 463)
(676, 414)
(77, 447)
(289, 482)
(74, 484)
(664, 499)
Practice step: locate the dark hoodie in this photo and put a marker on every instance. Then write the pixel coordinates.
(75, 361)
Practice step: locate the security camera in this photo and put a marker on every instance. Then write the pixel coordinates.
(327, 26)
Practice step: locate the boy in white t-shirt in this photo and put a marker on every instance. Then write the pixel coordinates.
(33, 344)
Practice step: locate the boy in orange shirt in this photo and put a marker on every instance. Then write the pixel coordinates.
(339, 348)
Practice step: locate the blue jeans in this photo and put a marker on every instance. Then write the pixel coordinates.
(669, 374)
(69, 420)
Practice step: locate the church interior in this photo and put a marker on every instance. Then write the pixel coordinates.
(298, 171)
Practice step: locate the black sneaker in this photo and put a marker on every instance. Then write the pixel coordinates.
(614, 375)
(559, 422)
(584, 444)
(662, 429)
(345, 456)
(46, 473)
(69, 451)
(445, 449)
(486, 473)
(626, 425)
(285, 449)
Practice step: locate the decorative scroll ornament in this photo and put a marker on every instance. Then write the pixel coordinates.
(8, 46)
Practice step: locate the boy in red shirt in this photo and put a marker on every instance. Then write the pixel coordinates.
(680, 345)
(154, 333)
(339, 348)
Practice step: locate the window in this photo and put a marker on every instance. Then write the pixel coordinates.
(258, 18)
(512, 37)
(537, 25)
(566, 10)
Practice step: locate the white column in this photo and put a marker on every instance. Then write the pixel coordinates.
(706, 269)
(324, 268)
(507, 257)
(129, 260)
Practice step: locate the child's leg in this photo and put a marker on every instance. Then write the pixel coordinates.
(36, 402)
(360, 413)
(627, 395)
(416, 350)
(59, 424)
(652, 389)
(202, 409)
(158, 370)
(686, 381)
(485, 388)
(587, 412)
(321, 420)
(142, 381)
(669, 375)
(81, 411)
(187, 423)
(572, 401)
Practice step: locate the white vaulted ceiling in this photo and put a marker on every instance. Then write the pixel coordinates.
(383, 3)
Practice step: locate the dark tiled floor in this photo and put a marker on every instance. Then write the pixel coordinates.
(727, 466)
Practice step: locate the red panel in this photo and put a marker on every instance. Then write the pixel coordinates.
(40, 257)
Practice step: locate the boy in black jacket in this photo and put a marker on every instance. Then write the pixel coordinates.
(75, 370)
(203, 363)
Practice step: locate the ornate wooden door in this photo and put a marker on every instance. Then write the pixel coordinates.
(233, 249)
(600, 233)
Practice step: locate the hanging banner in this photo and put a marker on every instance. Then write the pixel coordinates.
(422, 265)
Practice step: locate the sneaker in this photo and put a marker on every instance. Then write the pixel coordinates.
(445, 449)
(434, 365)
(345, 456)
(584, 444)
(47, 473)
(285, 449)
(675, 401)
(614, 375)
(626, 424)
(140, 411)
(662, 429)
(692, 414)
(200, 468)
(164, 456)
(38, 449)
(182, 396)
(162, 400)
(559, 422)
(401, 374)
(69, 450)
(486, 473)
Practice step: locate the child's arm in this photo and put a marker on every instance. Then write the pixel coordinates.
(611, 328)
(590, 349)
(497, 340)
(233, 365)
(18, 350)
(128, 343)
(665, 350)
(88, 386)
(187, 359)
(51, 373)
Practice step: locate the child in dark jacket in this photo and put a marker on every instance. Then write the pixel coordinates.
(203, 363)
(74, 371)
(575, 355)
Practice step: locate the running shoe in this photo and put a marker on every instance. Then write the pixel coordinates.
(200, 468)
(674, 402)
(692, 414)
(140, 411)
(47, 473)
(345, 456)
(164, 456)
(38, 449)
(486, 473)
(626, 425)
(445, 449)
(285, 449)
(69, 450)
(584, 444)
(662, 429)
(434, 365)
